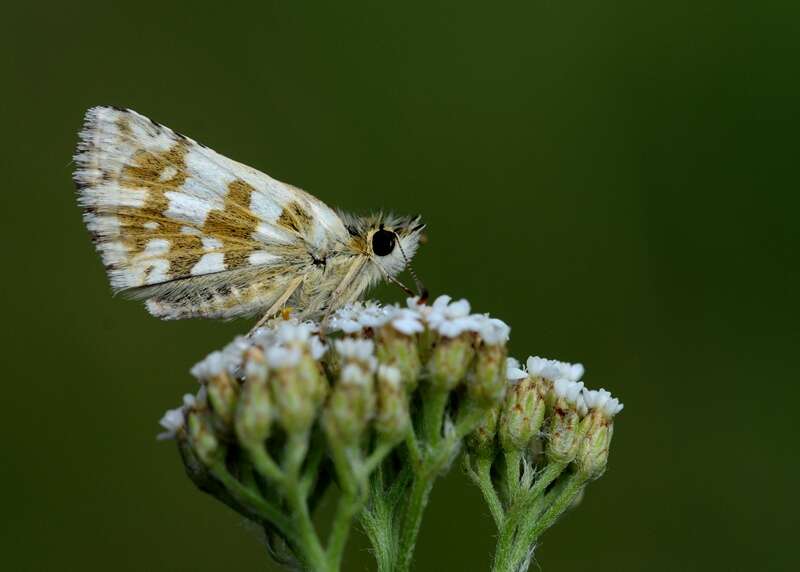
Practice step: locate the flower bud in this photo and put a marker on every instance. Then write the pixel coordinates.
(201, 436)
(522, 414)
(481, 442)
(449, 361)
(223, 395)
(297, 387)
(222, 390)
(592, 456)
(393, 420)
(399, 348)
(564, 432)
(351, 404)
(255, 411)
(487, 384)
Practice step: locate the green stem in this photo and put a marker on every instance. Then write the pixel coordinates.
(377, 520)
(265, 465)
(512, 460)
(564, 498)
(514, 525)
(311, 474)
(412, 518)
(346, 509)
(307, 539)
(481, 476)
(247, 497)
(434, 406)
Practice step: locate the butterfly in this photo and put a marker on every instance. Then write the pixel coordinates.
(195, 234)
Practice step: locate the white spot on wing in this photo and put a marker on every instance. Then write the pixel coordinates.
(159, 271)
(211, 262)
(151, 225)
(267, 207)
(167, 173)
(268, 233)
(211, 243)
(156, 247)
(260, 257)
(185, 207)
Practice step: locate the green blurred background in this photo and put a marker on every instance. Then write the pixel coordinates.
(618, 181)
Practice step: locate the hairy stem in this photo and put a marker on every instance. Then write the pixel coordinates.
(481, 476)
(516, 523)
(563, 497)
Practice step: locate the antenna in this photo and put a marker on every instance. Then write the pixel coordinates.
(422, 292)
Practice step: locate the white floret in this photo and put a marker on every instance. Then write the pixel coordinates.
(354, 374)
(278, 357)
(317, 348)
(406, 321)
(389, 375)
(601, 400)
(513, 371)
(568, 390)
(493, 331)
(360, 350)
(212, 365)
(374, 315)
(554, 369)
(174, 419)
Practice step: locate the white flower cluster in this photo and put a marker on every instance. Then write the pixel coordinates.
(566, 384)
(445, 317)
(282, 344)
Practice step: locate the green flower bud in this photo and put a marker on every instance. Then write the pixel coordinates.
(522, 413)
(487, 384)
(482, 441)
(592, 456)
(223, 395)
(297, 386)
(255, 411)
(399, 350)
(351, 404)
(565, 431)
(392, 421)
(449, 361)
(202, 438)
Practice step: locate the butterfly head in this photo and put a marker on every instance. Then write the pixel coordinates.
(390, 242)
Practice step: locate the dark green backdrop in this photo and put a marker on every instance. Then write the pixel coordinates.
(618, 181)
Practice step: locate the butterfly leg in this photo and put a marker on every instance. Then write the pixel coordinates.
(293, 285)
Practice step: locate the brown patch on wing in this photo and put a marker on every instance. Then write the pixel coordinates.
(124, 126)
(145, 172)
(295, 218)
(234, 225)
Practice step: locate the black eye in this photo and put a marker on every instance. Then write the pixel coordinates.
(383, 242)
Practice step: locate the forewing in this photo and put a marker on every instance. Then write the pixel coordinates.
(166, 213)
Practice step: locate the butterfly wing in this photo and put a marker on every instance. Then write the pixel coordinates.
(191, 231)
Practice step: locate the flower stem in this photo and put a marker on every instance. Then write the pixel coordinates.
(245, 496)
(481, 476)
(346, 509)
(521, 519)
(307, 540)
(564, 495)
(412, 518)
(434, 406)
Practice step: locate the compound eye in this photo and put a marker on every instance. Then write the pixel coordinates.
(383, 242)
